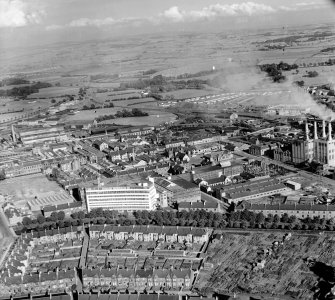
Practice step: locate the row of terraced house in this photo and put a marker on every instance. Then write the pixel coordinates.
(149, 233)
(138, 279)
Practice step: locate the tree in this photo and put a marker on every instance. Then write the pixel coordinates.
(284, 218)
(81, 215)
(312, 74)
(53, 101)
(298, 226)
(202, 223)
(244, 224)
(276, 219)
(260, 218)
(40, 219)
(74, 215)
(54, 216)
(26, 221)
(292, 219)
(270, 218)
(61, 215)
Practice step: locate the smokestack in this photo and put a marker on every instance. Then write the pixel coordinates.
(307, 130)
(13, 134)
(329, 131)
(315, 131)
(323, 129)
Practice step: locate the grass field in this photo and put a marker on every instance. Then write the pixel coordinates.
(188, 93)
(152, 120)
(29, 105)
(285, 271)
(54, 92)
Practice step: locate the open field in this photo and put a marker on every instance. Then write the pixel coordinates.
(152, 120)
(54, 92)
(136, 102)
(285, 272)
(29, 106)
(92, 114)
(189, 93)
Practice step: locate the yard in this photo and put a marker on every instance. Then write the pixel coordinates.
(21, 189)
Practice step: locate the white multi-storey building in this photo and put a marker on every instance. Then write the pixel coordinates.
(130, 197)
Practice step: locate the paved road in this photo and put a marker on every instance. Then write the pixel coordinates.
(5, 230)
(6, 236)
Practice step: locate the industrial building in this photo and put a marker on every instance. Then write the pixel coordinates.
(320, 148)
(251, 190)
(122, 197)
(38, 134)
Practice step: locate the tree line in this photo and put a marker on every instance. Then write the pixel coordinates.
(198, 218)
(135, 112)
(159, 84)
(24, 91)
(93, 106)
(274, 71)
(13, 81)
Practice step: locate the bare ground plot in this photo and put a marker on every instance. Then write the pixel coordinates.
(24, 188)
(284, 270)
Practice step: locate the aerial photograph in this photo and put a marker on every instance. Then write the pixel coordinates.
(167, 149)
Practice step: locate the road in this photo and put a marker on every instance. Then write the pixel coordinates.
(6, 236)
(5, 230)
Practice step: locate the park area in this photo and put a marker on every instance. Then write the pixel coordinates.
(267, 263)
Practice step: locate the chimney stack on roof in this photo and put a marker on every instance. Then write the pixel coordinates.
(329, 131)
(307, 130)
(323, 129)
(315, 130)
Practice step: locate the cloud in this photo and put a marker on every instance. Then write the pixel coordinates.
(92, 22)
(174, 14)
(54, 27)
(16, 13)
(215, 11)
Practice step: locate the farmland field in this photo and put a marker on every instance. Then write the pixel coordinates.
(54, 92)
(285, 270)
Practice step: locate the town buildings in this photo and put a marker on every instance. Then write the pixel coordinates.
(122, 197)
(297, 210)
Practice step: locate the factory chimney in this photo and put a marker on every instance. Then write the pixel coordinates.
(13, 134)
(324, 129)
(307, 130)
(315, 131)
(329, 131)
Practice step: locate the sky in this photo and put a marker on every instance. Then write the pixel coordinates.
(34, 22)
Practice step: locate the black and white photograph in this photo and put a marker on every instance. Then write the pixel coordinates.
(167, 150)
